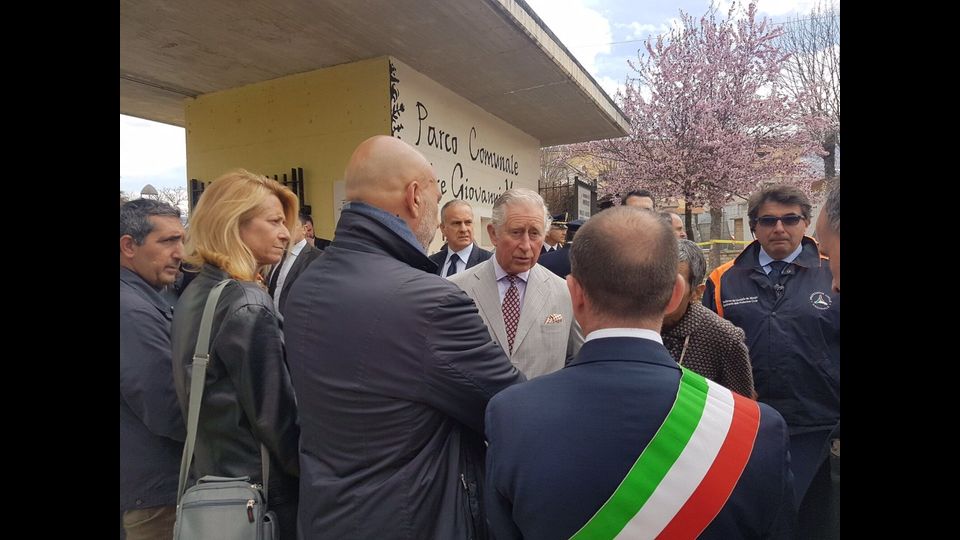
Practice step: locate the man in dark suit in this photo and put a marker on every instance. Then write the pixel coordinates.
(294, 262)
(393, 367)
(623, 441)
(552, 240)
(460, 252)
(315, 241)
(558, 261)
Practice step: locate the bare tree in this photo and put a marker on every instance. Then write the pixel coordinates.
(812, 74)
(175, 196)
(560, 165)
(555, 174)
(553, 165)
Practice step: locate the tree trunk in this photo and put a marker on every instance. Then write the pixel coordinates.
(688, 221)
(716, 228)
(830, 160)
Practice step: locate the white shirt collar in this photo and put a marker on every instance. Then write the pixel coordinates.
(298, 247)
(642, 333)
(501, 273)
(764, 258)
(464, 253)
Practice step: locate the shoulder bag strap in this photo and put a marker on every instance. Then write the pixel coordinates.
(201, 356)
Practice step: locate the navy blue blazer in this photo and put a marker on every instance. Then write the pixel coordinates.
(561, 444)
(477, 256)
(557, 261)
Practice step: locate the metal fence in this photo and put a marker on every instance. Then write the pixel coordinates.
(295, 183)
(561, 195)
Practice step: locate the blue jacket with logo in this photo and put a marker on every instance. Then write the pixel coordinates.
(793, 333)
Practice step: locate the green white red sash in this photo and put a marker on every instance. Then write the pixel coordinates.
(688, 470)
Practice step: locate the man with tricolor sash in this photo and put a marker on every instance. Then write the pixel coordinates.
(623, 442)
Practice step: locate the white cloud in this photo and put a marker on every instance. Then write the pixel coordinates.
(151, 153)
(640, 30)
(610, 85)
(583, 30)
(775, 8)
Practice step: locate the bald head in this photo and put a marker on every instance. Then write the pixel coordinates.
(381, 167)
(391, 175)
(622, 283)
(676, 224)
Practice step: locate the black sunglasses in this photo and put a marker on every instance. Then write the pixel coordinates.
(771, 221)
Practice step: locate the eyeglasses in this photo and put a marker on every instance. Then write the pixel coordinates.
(771, 221)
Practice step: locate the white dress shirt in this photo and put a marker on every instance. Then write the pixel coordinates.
(765, 259)
(285, 269)
(464, 255)
(642, 333)
(503, 283)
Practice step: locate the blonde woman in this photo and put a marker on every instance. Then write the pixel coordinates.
(240, 225)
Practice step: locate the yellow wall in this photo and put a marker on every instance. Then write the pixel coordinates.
(312, 120)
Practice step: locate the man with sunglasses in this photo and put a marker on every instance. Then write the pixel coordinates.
(778, 290)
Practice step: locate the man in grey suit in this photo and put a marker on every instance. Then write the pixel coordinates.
(526, 307)
(294, 262)
(460, 252)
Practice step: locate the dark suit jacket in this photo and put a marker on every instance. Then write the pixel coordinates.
(306, 256)
(543, 249)
(560, 445)
(393, 369)
(477, 256)
(557, 261)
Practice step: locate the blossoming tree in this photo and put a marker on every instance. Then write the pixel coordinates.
(708, 118)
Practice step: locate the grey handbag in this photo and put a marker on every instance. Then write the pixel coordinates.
(218, 508)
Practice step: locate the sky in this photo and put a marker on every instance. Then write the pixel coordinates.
(601, 34)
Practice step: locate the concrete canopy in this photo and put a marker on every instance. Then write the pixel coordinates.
(496, 53)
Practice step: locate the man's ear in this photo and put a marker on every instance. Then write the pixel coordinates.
(577, 297)
(492, 233)
(679, 289)
(699, 292)
(128, 248)
(411, 199)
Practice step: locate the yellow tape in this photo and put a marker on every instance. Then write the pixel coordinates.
(711, 242)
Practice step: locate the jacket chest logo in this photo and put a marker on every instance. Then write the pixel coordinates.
(821, 300)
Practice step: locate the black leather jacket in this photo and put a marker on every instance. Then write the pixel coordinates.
(248, 398)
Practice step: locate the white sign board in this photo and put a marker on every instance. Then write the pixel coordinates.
(583, 202)
(476, 155)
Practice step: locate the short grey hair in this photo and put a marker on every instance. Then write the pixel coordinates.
(453, 202)
(693, 256)
(135, 217)
(518, 196)
(832, 205)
